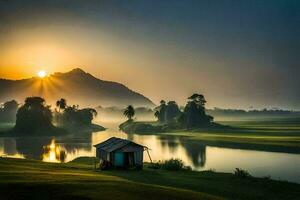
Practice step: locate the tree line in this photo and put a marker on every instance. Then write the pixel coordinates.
(191, 116)
(66, 115)
(35, 115)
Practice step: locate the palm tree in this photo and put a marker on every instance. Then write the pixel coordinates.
(61, 104)
(157, 114)
(129, 112)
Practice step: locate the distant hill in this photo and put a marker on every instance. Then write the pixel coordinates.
(77, 86)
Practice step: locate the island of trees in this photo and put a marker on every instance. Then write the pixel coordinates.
(171, 118)
(75, 119)
(35, 117)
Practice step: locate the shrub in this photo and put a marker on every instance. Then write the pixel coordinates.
(156, 165)
(173, 164)
(268, 177)
(188, 168)
(211, 170)
(241, 173)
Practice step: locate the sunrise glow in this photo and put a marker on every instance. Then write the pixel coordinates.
(42, 74)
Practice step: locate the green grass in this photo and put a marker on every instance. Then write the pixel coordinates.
(30, 179)
(278, 135)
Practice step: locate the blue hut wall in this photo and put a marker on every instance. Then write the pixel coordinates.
(119, 159)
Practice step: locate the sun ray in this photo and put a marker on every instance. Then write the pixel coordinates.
(42, 74)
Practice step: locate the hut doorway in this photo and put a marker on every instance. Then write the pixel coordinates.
(129, 159)
(124, 159)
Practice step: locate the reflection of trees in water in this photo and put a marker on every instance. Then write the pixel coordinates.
(76, 142)
(9, 146)
(34, 147)
(195, 151)
(170, 142)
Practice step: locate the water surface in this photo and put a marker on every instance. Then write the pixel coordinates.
(283, 166)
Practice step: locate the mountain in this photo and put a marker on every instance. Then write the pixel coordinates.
(77, 86)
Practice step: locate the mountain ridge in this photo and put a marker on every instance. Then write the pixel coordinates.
(77, 86)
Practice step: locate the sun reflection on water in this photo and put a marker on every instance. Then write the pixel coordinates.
(57, 153)
(20, 156)
(54, 153)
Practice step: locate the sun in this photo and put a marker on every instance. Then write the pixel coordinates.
(42, 74)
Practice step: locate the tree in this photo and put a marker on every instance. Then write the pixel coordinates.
(156, 114)
(194, 112)
(73, 116)
(129, 112)
(85, 116)
(8, 111)
(198, 99)
(68, 117)
(167, 113)
(172, 112)
(10, 106)
(33, 115)
(160, 113)
(61, 104)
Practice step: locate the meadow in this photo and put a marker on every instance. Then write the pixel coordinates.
(78, 180)
(268, 134)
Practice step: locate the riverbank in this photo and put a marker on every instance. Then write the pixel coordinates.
(280, 135)
(7, 130)
(31, 179)
(49, 131)
(151, 127)
(83, 129)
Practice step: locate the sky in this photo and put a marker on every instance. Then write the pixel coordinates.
(239, 54)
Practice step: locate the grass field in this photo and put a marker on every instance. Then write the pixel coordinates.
(277, 135)
(281, 135)
(29, 179)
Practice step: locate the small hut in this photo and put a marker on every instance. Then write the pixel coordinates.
(121, 153)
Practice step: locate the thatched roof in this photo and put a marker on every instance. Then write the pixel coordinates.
(114, 143)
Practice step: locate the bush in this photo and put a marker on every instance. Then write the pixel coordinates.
(156, 165)
(211, 170)
(173, 164)
(188, 168)
(268, 177)
(241, 173)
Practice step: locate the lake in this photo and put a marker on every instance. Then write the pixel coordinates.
(281, 166)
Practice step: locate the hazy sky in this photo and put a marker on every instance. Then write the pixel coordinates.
(237, 53)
